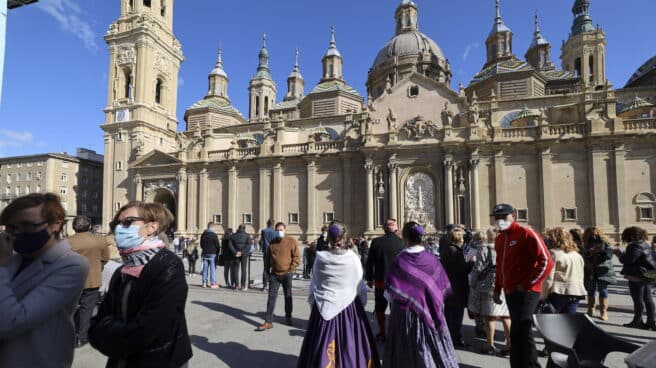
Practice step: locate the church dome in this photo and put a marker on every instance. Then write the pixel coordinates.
(408, 44)
(645, 75)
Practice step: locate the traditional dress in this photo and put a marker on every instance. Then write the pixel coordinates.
(418, 335)
(338, 333)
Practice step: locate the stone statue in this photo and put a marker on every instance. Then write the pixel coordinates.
(388, 84)
(391, 120)
(447, 116)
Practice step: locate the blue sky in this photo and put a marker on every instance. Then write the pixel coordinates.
(55, 77)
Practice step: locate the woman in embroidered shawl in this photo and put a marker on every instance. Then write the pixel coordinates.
(338, 332)
(416, 286)
(141, 321)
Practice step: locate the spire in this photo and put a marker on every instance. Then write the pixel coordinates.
(499, 26)
(218, 68)
(263, 66)
(582, 21)
(332, 48)
(537, 35)
(295, 82)
(406, 17)
(296, 72)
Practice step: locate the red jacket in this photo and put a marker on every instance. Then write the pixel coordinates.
(522, 260)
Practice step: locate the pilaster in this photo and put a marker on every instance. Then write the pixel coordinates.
(232, 197)
(202, 199)
(474, 193)
(369, 169)
(546, 188)
(311, 196)
(393, 187)
(619, 153)
(448, 193)
(182, 201)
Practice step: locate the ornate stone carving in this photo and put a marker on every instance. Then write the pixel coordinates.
(418, 129)
(369, 165)
(161, 63)
(126, 55)
(154, 185)
(447, 115)
(391, 120)
(420, 200)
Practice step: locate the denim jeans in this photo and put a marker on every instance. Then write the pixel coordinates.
(564, 304)
(209, 265)
(641, 293)
(598, 285)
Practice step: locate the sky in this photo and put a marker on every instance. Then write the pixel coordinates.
(56, 62)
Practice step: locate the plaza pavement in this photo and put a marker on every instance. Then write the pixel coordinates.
(222, 325)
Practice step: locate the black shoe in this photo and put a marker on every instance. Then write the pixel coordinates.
(490, 350)
(634, 324)
(289, 321)
(504, 353)
(460, 344)
(543, 353)
(650, 325)
(81, 343)
(480, 333)
(380, 337)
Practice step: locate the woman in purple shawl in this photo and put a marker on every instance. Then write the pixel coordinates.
(416, 287)
(338, 332)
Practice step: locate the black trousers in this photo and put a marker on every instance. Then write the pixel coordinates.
(641, 296)
(380, 300)
(83, 313)
(453, 316)
(522, 305)
(229, 273)
(241, 262)
(274, 284)
(192, 265)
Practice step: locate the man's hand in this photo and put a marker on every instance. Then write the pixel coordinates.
(238, 254)
(497, 297)
(5, 249)
(370, 284)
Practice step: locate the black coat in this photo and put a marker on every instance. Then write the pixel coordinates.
(453, 261)
(209, 242)
(636, 260)
(228, 254)
(381, 254)
(154, 333)
(239, 243)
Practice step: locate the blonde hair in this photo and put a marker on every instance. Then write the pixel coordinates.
(562, 239)
(491, 234)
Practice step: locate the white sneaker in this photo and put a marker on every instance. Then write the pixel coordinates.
(246, 288)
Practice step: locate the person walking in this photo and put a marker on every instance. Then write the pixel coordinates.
(191, 253)
(338, 321)
(228, 261)
(599, 272)
(209, 243)
(636, 261)
(457, 268)
(382, 252)
(564, 288)
(141, 322)
(93, 248)
(322, 241)
(239, 245)
(266, 237)
(417, 286)
(41, 280)
(481, 299)
(280, 261)
(525, 263)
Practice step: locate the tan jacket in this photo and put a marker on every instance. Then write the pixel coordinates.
(283, 257)
(110, 243)
(93, 248)
(566, 278)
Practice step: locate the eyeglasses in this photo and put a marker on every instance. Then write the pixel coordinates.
(126, 222)
(24, 227)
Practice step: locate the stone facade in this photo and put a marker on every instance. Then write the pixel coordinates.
(76, 179)
(563, 146)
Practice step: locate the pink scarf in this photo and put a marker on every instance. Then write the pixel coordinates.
(134, 259)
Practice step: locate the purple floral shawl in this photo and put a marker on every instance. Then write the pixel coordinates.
(418, 281)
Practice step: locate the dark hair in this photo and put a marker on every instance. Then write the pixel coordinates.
(269, 222)
(150, 212)
(577, 236)
(227, 234)
(81, 224)
(412, 232)
(634, 234)
(281, 224)
(336, 232)
(210, 224)
(241, 227)
(52, 210)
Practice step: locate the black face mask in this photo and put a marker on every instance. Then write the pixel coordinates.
(27, 243)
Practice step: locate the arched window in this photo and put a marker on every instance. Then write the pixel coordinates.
(147, 3)
(257, 106)
(130, 5)
(266, 105)
(577, 67)
(591, 67)
(159, 85)
(127, 78)
(162, 10)
(331, 70)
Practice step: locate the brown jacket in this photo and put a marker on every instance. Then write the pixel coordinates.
(282, 257)
(110, 243)
(93, 248)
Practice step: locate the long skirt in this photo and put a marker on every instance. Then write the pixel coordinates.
(346, 341)
(412, 343)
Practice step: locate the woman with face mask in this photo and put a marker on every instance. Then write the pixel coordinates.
(40, 283)
(141, 321)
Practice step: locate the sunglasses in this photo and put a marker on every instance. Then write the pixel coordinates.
(126, 222)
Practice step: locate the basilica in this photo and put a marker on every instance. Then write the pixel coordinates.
(559, 143)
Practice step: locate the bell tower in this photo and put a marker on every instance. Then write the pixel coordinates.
(140, 116)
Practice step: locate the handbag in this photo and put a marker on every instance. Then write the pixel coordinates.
(220, 261)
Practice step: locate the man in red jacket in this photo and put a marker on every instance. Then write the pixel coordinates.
(523, 262)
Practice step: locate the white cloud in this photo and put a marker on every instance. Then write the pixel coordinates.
(181, 81)
(14, 138)
(471, 47)
(70, 17)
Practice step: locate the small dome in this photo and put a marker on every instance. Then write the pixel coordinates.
(407, 44)
(649, 67)
(636, 103)
(219, 71)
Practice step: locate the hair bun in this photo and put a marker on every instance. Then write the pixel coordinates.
(334, 231)
(418, 229)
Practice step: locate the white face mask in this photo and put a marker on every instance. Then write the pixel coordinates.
(503, 225)
(325, 235)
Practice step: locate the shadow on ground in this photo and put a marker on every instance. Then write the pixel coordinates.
(237, 355)
(253, 319)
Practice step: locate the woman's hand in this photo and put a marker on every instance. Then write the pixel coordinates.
(5, 249)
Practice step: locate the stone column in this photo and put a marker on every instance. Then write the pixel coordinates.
(277, 192)
(232, 197)
(598, 185)
(311, 197)
(192, 206)
(498, 177)
(474, 194)
(448, 175)
(546, 189)
(138, 188)
(263, 197)
(346, 191)
(619, 153)
(203, 199)
(108, 183)
(181, 221)
(393, 198)
(369, 167)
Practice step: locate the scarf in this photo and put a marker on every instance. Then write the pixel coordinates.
(418, 282)
(134, 259)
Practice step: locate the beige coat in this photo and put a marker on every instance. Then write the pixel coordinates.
(566, 277)
(97, 254)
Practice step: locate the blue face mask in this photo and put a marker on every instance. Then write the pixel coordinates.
(280, 234)
(128, 237)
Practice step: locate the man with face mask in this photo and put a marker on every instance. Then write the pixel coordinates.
(322, 241)
(40, 283)
(523, 262)
(280, 262)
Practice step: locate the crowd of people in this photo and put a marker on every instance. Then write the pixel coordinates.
(49, 286)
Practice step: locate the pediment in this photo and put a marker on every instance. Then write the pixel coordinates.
(156, 158)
